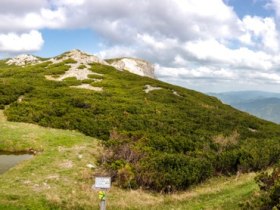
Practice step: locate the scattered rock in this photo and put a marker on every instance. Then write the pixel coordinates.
(149, 88)
(19, 100)
(252, 130)
(91, 166)
(22, 60)
(89, 87)
(74, 71)
(49, 77)
(175, 93)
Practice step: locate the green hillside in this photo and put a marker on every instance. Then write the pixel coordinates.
(166, 139)
(57, 177)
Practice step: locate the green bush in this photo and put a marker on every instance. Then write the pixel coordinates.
(269, 196)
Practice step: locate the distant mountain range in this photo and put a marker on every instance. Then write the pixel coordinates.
(265, 105)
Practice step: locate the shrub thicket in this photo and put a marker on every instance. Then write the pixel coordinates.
(157, 140)
(269, 195)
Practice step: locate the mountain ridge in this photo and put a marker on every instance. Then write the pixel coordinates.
(265, 105)
(133, 65)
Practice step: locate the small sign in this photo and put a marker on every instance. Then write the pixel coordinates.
(102, 182)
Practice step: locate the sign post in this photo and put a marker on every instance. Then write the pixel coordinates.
(102, 184)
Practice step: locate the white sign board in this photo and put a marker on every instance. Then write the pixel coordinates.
(102, 182)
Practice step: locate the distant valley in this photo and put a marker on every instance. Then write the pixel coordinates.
(265, 105)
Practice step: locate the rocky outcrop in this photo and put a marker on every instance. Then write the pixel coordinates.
(22, 60)
(82, 59)
(79, 56)
(133, 65)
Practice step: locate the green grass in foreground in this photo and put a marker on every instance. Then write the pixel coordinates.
(57, 178)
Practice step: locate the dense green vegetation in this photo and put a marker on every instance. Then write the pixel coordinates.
(57, 177)
(269, 195)
(157, 140)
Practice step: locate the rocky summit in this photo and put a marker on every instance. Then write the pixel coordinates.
(133, 65)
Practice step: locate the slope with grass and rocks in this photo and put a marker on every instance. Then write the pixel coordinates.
(156, 136)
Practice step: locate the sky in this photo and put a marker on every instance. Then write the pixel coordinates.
(205, 45)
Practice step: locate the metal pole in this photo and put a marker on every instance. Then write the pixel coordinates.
(103, 205)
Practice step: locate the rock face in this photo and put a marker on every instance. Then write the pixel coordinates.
(22, 60)
(133, 65)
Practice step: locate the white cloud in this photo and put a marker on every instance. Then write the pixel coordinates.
(44, 18)
(21, 7)
(262, 30)
(189, 39)
(246, 39)
(26, 42)
(195, 73)
(115, 52)
(275, 5)
(212, 51)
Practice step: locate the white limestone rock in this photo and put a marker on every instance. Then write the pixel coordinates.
(136, 66)
(149, 88)
(88, 87)
(79, 56)
(22, 60)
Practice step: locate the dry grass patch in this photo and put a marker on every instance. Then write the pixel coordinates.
(227, 140)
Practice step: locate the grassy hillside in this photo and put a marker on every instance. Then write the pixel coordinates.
(58, 178)
(164, 140)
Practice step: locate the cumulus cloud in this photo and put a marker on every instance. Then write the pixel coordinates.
(264, 30)
(117, 51)
(44, 18)
(26, 42)
(275, 5)
(213, 52)
(18, 8)
(189, 39)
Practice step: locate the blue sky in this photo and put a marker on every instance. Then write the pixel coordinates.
(211, 45)
(57, 41)
(251, 7)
